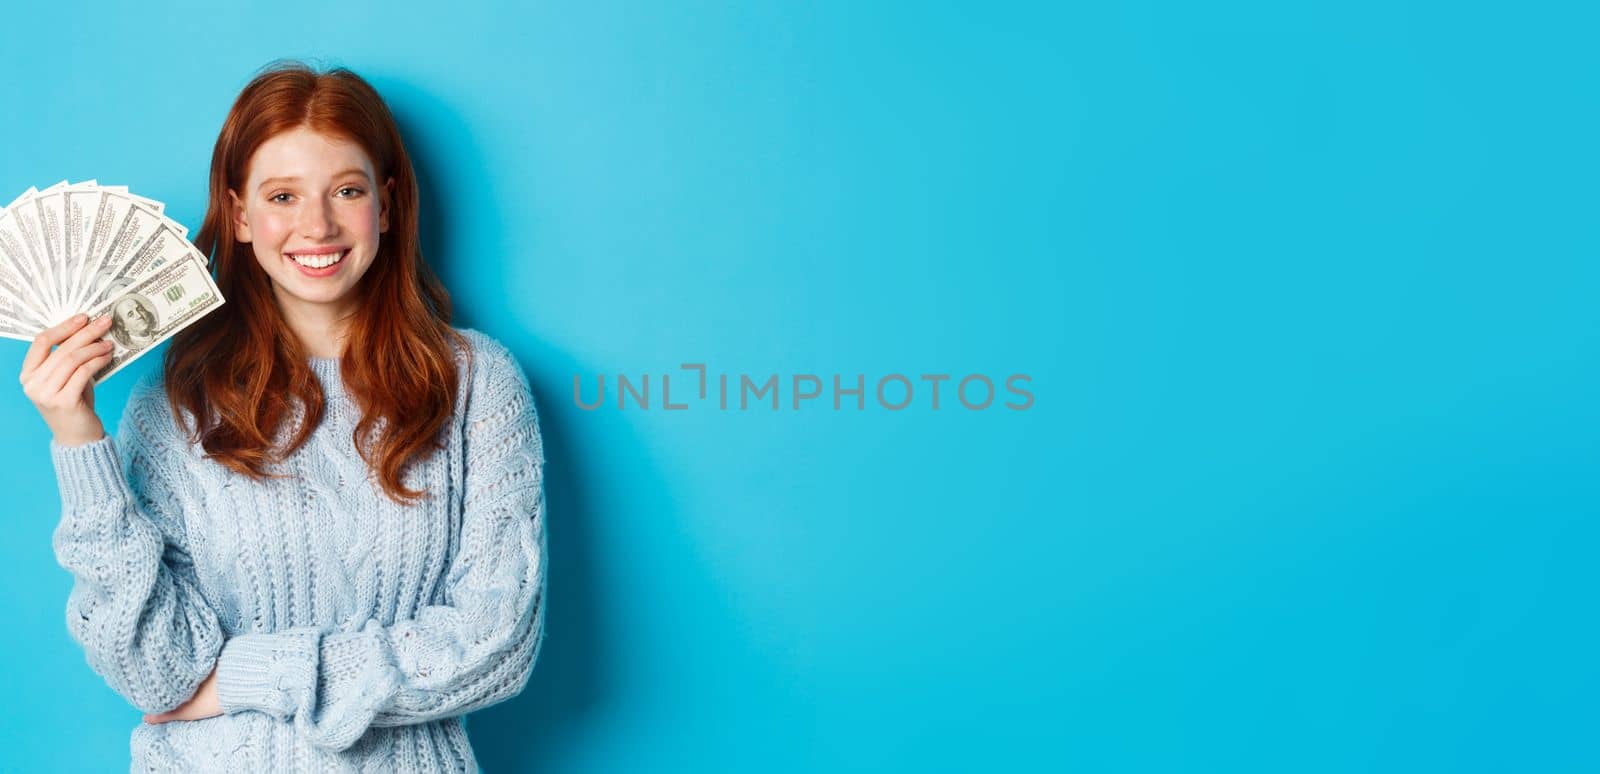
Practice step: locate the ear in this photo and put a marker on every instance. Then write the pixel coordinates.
(241, 227)
(385, 197)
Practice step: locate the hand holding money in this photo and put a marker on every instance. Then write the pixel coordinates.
(57, 381)
(105, 252)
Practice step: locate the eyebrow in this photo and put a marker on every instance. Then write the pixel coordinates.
(340, 173)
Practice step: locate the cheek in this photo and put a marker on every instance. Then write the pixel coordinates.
(362, 223)
(270, 229)
(265, 255)
(268, 234)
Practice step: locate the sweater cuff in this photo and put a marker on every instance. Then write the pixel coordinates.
(268, 672)
(88, 474)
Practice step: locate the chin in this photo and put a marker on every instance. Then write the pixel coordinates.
(327, 298)
(319, 295)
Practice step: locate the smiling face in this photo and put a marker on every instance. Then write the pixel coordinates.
(312, 212)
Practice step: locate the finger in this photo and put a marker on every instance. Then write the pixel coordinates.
(58, 365)
(53, 376)
(57, 361)
(48, 338)
(79, 381)
(92, 330)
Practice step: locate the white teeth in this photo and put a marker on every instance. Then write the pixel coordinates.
(319, 261)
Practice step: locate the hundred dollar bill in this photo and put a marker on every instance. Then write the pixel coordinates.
(16, 316)
(113, 209)
(149, 203)
(41, 226)
(11, 329)
(79, 204)
(133, 250)
(19, 259)
(115, 204)
(16, 322)
(158, 305)
(15, 308)
(13, 301)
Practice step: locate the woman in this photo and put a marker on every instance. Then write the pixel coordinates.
(317, 539)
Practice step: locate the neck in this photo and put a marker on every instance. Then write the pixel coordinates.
(320, 328)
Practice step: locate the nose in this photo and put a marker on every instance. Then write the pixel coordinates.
(316, 219)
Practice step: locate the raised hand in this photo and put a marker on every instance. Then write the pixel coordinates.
(59, 381)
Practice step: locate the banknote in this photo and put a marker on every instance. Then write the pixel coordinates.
(85, 247)
(18, 218)
(80, 203)
(148, 250)
(7, 331)
(41, 228)
(115, 205)
(15, 294)
(158, 305)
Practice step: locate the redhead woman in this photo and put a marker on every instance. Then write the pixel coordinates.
(316, 540)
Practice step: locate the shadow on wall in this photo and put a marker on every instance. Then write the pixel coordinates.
(533, 731)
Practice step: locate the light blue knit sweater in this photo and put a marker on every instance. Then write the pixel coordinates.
(348, 633)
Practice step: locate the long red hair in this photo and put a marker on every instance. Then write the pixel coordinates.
(241, 373)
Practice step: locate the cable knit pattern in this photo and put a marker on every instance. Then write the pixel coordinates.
(348, 633)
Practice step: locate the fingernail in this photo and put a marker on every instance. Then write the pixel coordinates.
(79, 318)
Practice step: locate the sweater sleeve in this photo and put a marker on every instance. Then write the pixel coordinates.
(475, 649)
(134, 607)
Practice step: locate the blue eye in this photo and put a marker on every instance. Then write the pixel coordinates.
(274, 198)
(357, 191)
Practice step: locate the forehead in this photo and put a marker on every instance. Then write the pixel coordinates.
(306, 154)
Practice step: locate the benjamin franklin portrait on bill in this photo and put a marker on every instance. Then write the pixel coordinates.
(133, 321)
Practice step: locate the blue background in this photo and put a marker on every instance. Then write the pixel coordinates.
(1307, 292)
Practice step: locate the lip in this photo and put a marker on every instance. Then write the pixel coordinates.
(324, 250)
(326, 271)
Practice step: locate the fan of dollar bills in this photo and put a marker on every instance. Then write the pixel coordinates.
(85, 247)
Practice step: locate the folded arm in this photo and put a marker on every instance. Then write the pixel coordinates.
(474, 650)
(135, 606)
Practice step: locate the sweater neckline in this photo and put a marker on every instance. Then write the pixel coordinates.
(325, 367)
